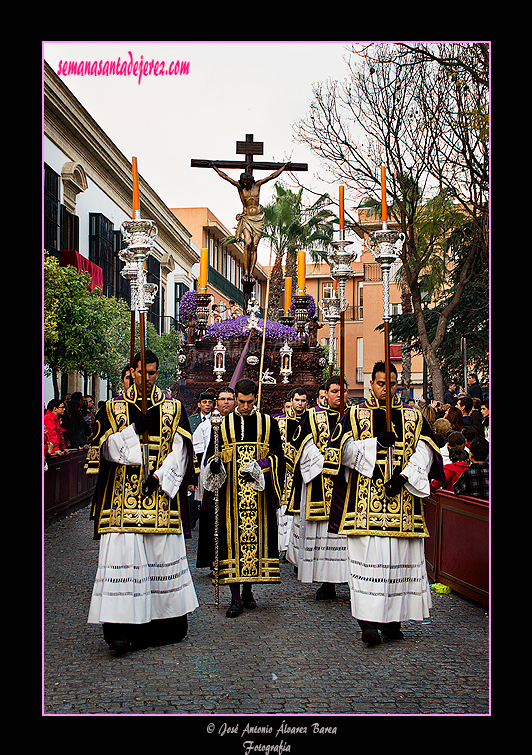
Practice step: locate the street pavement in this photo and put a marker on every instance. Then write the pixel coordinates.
(292, 659)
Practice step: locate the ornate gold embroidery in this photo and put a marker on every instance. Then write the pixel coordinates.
(129, 509)
(245, 509)
(375, 513)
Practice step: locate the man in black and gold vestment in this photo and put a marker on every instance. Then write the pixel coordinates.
(249, 476)
(317, 554)
(383, 518)
(143, 589)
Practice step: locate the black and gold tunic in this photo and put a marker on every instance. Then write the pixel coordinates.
(119, 504)
(317, 426)
(360, 505)
(288, 424)
(248, 549)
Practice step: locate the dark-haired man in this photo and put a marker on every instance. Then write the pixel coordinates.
(203, 411)
(249, 476)
(288, 422)
(52, 424)
(225, 403)
(474, 481)
(143, 589)
(383, 518)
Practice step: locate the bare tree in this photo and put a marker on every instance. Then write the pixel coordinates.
(422, 111)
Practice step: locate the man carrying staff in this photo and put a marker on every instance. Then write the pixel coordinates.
(249, 476)
(225, 403)
(143, 589)
(383, 519)
(318, 555)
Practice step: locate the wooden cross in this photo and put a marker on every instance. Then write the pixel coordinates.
(247, 148)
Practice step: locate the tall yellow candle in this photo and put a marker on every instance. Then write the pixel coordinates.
(287, 295)
(342, 221)
(383, 194)
(136, 198)
(301, 272)
(204, 265)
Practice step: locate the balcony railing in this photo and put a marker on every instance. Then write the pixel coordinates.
(225, 286)
(353, 313)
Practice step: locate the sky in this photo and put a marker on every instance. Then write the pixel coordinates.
(231, 89)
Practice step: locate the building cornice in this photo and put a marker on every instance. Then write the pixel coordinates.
(76, 133)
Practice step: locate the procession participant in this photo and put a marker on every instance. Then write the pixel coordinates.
(319, 555)
(288, 422)
(249, 475)
(143, 589)
(203, 411)
(225, 403)
(383, 520)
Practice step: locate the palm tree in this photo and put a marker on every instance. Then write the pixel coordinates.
(291, 227)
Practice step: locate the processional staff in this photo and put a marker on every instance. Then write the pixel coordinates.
(139, 235)
(263, 347)
(216, 421)
(340, 262)
(386, 246)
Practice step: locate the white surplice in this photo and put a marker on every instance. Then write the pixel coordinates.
(388, 575)
(319, 555)
(141, 577)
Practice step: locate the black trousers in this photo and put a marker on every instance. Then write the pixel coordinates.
(155, 633)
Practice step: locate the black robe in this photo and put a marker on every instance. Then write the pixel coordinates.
(248, 545)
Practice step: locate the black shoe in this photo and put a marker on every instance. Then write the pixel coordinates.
(166, 631)
(392, 631)
(120, 646)
(248, 600)
(235, 609)
(371, 636)
(326, 592)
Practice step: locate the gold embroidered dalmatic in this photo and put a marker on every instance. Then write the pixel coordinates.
(361, 506)
(247, 522)
(288, 424)
(317, 427)
(119, 504)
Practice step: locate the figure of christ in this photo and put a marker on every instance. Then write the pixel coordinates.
(251, 220)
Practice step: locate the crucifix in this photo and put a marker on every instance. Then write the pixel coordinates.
(251, 220)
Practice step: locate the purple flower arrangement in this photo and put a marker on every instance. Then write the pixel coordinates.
(236, 328)
(311, 307)
(188, 305)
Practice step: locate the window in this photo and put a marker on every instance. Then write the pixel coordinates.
(51, 211)
(360, 360)
(102, 249)
(153, 275)
(122, 287)
(69, 230)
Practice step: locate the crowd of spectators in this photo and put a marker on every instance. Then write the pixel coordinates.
(460, 424)
(68, 425)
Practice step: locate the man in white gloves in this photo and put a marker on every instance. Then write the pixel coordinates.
(143, 589)
(249, 476)
(381, 512)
